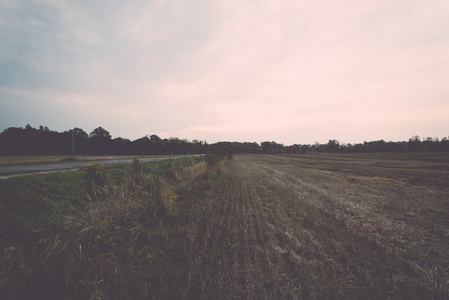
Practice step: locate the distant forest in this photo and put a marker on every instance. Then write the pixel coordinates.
(43, 141)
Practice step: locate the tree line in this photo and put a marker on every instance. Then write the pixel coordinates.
(414, 144)
(43, 141)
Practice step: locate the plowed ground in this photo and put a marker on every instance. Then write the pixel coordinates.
(323, 226)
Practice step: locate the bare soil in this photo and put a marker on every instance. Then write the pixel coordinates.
(329, 226)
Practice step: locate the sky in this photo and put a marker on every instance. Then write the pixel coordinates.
(292, 71)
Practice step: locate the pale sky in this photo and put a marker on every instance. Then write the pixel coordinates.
(288, 71)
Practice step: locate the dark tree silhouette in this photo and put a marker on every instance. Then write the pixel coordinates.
(100, 141)
(101, 133)
(333, 146)
(43, 141)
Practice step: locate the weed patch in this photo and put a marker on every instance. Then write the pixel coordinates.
(99, 233)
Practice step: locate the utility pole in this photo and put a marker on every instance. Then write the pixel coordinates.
(73, 143)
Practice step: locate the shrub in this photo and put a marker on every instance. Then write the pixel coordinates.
(215, 154)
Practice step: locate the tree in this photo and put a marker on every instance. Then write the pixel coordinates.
(79, 133)
(121, 146)
(414, 143)
(266, 147)
(333, 146)
(154, 138)
(142, 146)
(80, 138)
(100, 141)
(100, 132)
(43, 129)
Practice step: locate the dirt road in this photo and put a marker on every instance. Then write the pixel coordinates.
(324, 226)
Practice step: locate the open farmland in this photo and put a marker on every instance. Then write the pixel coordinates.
(324, 226)
(303, 226)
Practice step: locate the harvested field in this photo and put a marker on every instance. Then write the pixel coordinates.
(312, 226)
(323, 226)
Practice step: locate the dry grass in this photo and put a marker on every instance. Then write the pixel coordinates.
(122, 242)
(21, 160)
(129, 245)
(264, 227)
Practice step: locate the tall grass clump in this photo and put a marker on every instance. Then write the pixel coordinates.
(94, 179)
(33, 211)
(215, 154)
(111, 233)
(114, 246)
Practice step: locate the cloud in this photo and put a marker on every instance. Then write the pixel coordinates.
(309, 70)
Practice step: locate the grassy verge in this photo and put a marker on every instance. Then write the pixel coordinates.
(45, 159)
(100, 233)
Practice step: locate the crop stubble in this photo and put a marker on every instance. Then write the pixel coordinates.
(324, 226)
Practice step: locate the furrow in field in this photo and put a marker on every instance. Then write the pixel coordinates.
(294, 247)
(342, 229)
(276, 230)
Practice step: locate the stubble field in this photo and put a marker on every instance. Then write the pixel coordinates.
(303, 226)
(327, 226)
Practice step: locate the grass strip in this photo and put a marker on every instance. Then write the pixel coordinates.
(99, 232)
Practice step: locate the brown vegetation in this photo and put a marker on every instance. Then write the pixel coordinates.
(318, 226)
(290, 227)
(35, 159)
